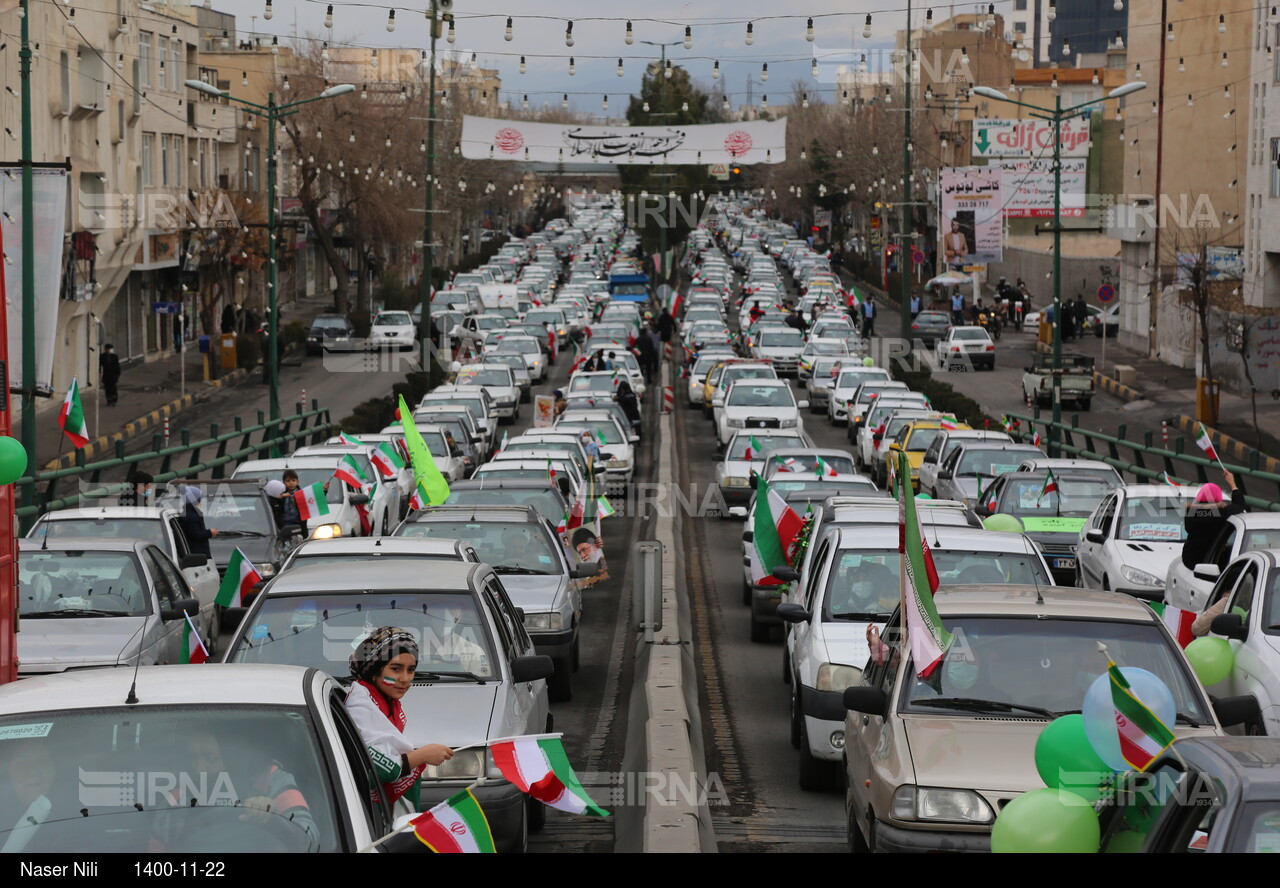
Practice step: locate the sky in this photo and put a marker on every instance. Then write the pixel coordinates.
(718, 28)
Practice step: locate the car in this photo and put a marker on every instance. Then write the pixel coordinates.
(525, 551)
(865, 397)
(1188, 587)
(730, 371)
(913, 437)
(342, 499)
(816, 348)
(944, 445)
(592, 406)
(966, 346)
(363, 549)
(568, 453)
(846, 386)
(475, 398)
(403, 479)
(500, 384)
(461, 423)
(93, 602)
(384, 505)
(822, 378)
(536, 492)
(817, 462)
(744, 457)
(560, 473)
(1094, 467)
(329, 332)
(602, 383)
(616, 450)
(529, 348)
(883, 422)
(1132, 537)
(1055, 519)
(930, 326)
(519, 369)
(1030, 653)
(393, 329)
(759, 404)
(194, 745)
(780, 346)
(973, 465)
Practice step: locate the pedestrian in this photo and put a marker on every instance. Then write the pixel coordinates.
(109, 373)
(957, 308)
(868, 319)
(291, 514)
(1079, 314)
(228, 318)
(666, 325)
(647, 345)
(915, 305)
(140, 492)
(382, 668)
(192, 522)
(1206, 517)
(1068, 330)
(629, 403)
(276, 494)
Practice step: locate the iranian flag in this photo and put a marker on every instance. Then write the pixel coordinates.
(824, 469)
(1035, 439)
(604, 508)
(1050, 486)
(1007, 423)
(1142, 735)
(551, 471)
(926, 635)
(237, 581)
(599, 437)
(1203, 441)
(673, 302)
(1166, 478)
(193, 649)
(344, 438)
(753, 447)
(538, 765)
(311, 502)
(386, 459)
(455, 826)
(775, 528)
(420, 499)
(71, 417)
(1177, 621)
(349, 472)
(578, 510)
(948, 423)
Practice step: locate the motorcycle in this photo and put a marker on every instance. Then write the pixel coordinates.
(990, 321)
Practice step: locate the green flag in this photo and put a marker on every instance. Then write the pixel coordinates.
(426, 474)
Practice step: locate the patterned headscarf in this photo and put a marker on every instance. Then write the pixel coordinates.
(380, 648)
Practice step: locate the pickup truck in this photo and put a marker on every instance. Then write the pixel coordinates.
(1077, 380)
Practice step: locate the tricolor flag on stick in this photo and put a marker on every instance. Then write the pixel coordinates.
(538, 765)
(193, 649)
(1035, 439)
(71, 417)
(926, 636)
(1142, 735)
(387, 460)
(349, 472)
(753, 448)
(312, 502)
(1205, 443)
(824, 469)
(238, 580)
(1050, 486)
(344, 438)
(1166, 478)
(455, 826)
(948, 423)
(1176, 620)
(774, 531)
(604, 508)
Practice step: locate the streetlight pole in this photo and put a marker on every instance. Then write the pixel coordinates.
(905, 241)
(271, 113)
(1056, 116)
(662, 82)
(428, 224)
(28, 263)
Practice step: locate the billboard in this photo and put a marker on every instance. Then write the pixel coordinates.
(1028, 187)
(972, 210)
(746, 142)
(1032, 138)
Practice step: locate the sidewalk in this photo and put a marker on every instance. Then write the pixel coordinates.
(148, 393)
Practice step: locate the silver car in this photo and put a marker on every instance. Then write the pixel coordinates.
(967, 472)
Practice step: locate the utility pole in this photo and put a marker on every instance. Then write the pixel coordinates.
(428, 224)
(906, 242)
(28, 262)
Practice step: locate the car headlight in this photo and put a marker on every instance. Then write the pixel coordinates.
(736, 423)
(466, 764)
(1141, 577)
(326, 532)
(266, 570)
(837, 677)
(786, 423)
(736, 481)
(543, 622)
(940, 805)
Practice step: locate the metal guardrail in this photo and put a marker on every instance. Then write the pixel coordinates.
(1149, 462)
(229, 448)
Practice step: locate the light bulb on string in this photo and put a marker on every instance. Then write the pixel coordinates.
(928, 20)
(352, 138)
(620, 71)
(1224, 60)
(668, 71)
(564, 102)
(391, 20)
(684, 106)
(573, 66)
(866, 29)
(509, 33)
(764, 73)
(751, 33)
(764, 103)
(244, 78)
(324, 52)
(964, 55)
(1118, 6)
(1168, 36)
(715, 70)
(275, 45)
(523, 65)
(1182, 66)
(808, 31)
(451, 35)
(1066, 46)
(631, 35)
(813, 68)
(1222, 24)
(568, 34)
(1190, 101)
(604, 106)
(724, 103)
(268, 13)
(328, 17)
(804, 100)
(688, 37)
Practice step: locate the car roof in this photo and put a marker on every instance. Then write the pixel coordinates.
(216, 684)
(156, 513)
(80, 544)
(809, 451)
(1010, 599)
(385, 545)
(478, 513)
(344, 578)
(1166, 490)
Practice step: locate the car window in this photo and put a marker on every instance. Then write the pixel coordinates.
(1073, 497)
(1255, 539)
(759, 396)
(1149, 519)
(168, 582)
(885, 658)
(59, 582)
(762, 445)
(522, 547)
(150, 530)
(1221, 552)
(179, 540)
(504, 624)
(368, 788)
(1245, 590)
(812, 584)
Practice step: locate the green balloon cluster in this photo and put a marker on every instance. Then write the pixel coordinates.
(868, 362)
(1046, 821)
(1065, 759)
(13, 460)
(1211, 658)
(1003, 523)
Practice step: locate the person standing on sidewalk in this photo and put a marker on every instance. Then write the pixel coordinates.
(1079, 314)
(109, 373)
(957, 307)
(868, 319)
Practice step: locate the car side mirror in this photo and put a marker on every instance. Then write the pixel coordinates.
(1229, 626)
(186, 562)
(584, 570)
(944, 476)
(1095, 536)
(358, 499)
(633, 439)
(786, 574)
(181, 605)
(789, 612)
(866, 699)
(477, 438)
(531, 668)
(803, 405)
(748, 536)
(1207, 572)
(1236, 710)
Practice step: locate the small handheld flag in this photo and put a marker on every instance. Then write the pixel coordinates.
(1205, 443)
(349, 472)
(71, 417)
(1142, 735)
(312, 501)
(455, 826)
(1050, 486)
(1166, 478)
(538, 765)
(193, 649)
(237, 581)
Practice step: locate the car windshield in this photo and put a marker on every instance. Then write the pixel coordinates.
(827, 347)
(306, 478)
(399, 319)
(818, 489)
(329, 323)
(150, 530)
(873, 393)
(759, 396)
(823, 367)
(544, 317)
(989, 463)
(81, 582)
(969, 333)
(593, 383)
(1153, 519)
(933, 317)
(495, 376)
(612, 434)
(759, 445)
(510, 546)
(781, 338)
(849, 379)
(1075, 497)
(321, 630)
(804, 463)
(491, 322)
(146, 779)
(547, 500)
(436, 444)
(523, 346)
(515, 362)
(1261, 538)
(921, 439)
(732, 374)
(474, 405)
(249, 512)
(1047, 663)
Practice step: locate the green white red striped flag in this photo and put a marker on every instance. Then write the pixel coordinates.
(949, 423)
(926, 636)
(1166, 478)
(193, 649)
(71, 417)
(773, 532)
(1142, 735)
(1177, 621)
(387, 460)
(604, 508)
(1205, 443)
(311, 501)
(823, 469)
(455, 826)
(538, 765)
(344, 438)
(1050, 486)
(237, 581)
(349, 471)
(753, 449)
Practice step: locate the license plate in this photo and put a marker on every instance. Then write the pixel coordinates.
(1065, 563)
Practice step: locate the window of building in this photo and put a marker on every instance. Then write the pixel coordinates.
(144, 56)
(1019, 5)
(166, 175)
(204, 163)
(1019, 27)
(90, 70)
(177, 147)
(148, 159)
(1275, 167)
(162, 51)
(175, 61)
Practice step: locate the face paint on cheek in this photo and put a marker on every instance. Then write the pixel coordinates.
(389, 681)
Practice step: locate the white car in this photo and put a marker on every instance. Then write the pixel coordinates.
(499, 382)
(384, 504)
(743, 458)
(943, 446)
(866, 451)
(780, 346)
(846, 385)
(616, 449)
(475, 398)
(1188, 588)
(478, 328)
(815, 348)
(696, 381)
(1131, 539)
(527, 347)
(759, 405)
(342, 519)
(393, 329)
(734, 369)
(822, 380)
(966, 346)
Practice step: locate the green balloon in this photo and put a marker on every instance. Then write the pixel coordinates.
(1046, 821)
(868, 362)
(13, 459)
(1211, 658)
(1065, 759)
(1126, 842)
(1003, 523)
(921, 496)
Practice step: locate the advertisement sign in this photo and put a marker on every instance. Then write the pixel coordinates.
(972, 215)
(1031, 138)
(544, 411)
(1028, 187)
(50, 204)
(745, 142)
